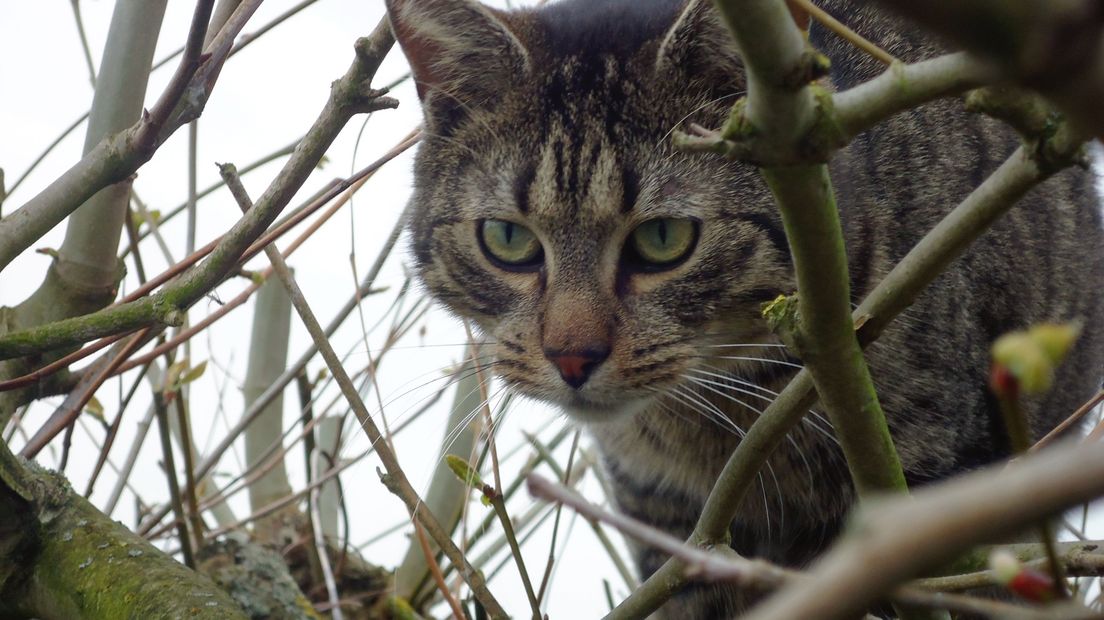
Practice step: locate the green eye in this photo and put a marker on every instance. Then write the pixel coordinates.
(664, 241)
(509, 244)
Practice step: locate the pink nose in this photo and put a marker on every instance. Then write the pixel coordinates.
(576, 366)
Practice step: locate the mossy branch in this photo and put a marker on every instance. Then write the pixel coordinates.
(75, 562)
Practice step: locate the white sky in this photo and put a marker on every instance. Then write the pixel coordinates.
(266, 97)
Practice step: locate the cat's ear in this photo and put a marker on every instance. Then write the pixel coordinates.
(699, 45)
(462, 54)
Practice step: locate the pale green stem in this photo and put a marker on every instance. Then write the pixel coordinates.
(267, 359)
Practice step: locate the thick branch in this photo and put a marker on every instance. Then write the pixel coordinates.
(905, 537)
(1053, 46)
(84, 565)
(780, 108)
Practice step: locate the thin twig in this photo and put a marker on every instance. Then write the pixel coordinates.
(1074, 418)
(190, 486)
(78, 398)
(170, 473)
(844, 32)
(435, 572)
(906, 537)
(395, 479)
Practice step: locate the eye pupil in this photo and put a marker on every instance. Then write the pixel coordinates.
(662, 243)
(510, 246)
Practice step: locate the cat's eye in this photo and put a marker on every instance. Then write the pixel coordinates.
(663, 242)
(510, 245)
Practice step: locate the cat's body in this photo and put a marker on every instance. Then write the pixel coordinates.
(557, 120)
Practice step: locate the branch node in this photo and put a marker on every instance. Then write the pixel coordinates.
(783, 316)
(1045, 132)
(173, 317)
(826, 134)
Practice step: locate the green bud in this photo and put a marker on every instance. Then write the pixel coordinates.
(1032, 356)
(1056, 340)
(464, 471)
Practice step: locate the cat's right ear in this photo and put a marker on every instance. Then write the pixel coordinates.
(462, 54)
(699, 46)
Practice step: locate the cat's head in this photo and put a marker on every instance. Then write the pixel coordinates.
(551, 209)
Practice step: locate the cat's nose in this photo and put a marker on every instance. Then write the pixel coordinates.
(575, 366)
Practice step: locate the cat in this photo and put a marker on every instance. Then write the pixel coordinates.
(622, 279)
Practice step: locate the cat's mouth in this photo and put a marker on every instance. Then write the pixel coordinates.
(584, 409)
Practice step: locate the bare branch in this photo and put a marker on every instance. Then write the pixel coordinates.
(903, 538)
(1053, 46)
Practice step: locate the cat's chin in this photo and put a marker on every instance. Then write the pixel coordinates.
(584, 410)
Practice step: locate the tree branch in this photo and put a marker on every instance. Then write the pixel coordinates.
(1023, 170)
(905, 537)
(395, 479)
(77, 563)
(118, 156)
(780, 108)
(1053, 46)
(349, 96)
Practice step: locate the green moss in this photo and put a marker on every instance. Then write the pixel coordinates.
(825, 134)
(738, 128)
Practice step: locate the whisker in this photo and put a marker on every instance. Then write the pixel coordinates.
(789, 438)
(816, 417)
(747, 344)
(712, 411)
(693, 112)
(754, 359)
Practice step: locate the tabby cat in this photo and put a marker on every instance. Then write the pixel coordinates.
(622, 279)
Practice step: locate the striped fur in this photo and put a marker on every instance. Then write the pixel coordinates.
(559, 119)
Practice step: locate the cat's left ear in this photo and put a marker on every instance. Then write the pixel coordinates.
(462, 54)
(699, 45)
